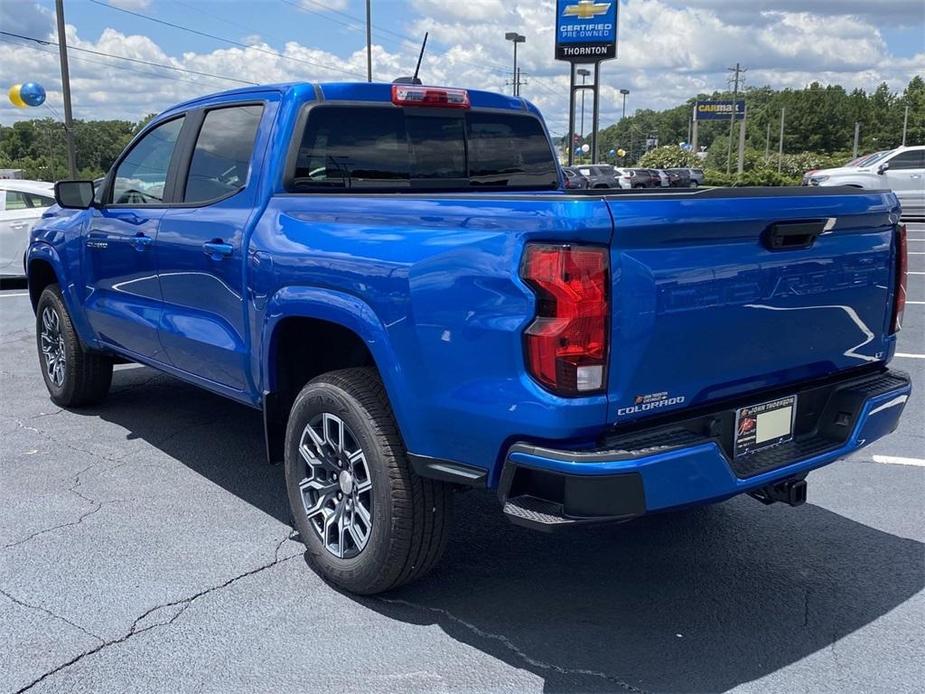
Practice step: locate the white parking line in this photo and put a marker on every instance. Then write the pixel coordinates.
(4, 296)
(897, 460)
(907, 355)
(915, 273)
(916, 303)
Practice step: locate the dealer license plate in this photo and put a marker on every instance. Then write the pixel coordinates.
(767, 424)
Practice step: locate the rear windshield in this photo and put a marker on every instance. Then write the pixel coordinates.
(395, 149)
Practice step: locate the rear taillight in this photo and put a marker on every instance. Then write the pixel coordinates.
(566, 344)
(902, 267)
(440, 97)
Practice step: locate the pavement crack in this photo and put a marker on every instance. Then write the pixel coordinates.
(513, 648)
(95, 508)
(183, 605)
(39, 608)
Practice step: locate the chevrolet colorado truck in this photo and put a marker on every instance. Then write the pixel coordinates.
(395, 278)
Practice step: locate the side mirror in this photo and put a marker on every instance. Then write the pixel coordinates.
(74, 195)
(883, 168)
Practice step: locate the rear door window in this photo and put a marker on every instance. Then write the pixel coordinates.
(222, 157)
(914, 159)
(394, 149)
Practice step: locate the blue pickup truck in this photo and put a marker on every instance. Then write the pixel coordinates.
(394, 277)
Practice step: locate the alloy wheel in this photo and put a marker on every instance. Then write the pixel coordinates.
(53, 346)
(337, 489)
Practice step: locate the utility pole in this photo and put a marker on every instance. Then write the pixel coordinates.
(66, 90)
(905, 124)
(369, 43)
(737, 70)
(767, 142)
(857, 136)
(584, 73)
(780, 145)
(624, 92)
(595, 114)
(694, 143)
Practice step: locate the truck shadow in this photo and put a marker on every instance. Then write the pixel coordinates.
(695, 601)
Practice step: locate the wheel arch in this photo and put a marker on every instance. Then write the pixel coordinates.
(43, 267)
(348, 334)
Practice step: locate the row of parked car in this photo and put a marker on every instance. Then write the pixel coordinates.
(607, 176)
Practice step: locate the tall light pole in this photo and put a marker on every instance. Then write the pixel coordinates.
(584, 73)
(66, 90)
(515, 38)
(369, 43)
(624, 92)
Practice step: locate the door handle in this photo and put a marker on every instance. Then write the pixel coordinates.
(217, 249)
(141, 242)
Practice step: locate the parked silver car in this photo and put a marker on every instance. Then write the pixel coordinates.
(21, 206)
(902, 170)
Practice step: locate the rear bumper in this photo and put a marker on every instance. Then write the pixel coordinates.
(689, 462)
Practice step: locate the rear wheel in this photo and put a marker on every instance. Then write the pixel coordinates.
(368, 521)
(74, 376)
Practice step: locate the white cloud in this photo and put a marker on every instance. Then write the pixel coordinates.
(129, 4)
(334, 5)
(667, 53)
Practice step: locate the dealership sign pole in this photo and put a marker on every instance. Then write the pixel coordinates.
(586, 32)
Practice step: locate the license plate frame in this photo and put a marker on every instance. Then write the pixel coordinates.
(764, 425)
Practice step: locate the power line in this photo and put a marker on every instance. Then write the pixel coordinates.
(227, 40)
(44, 42)
(90, 61)
(358, 24)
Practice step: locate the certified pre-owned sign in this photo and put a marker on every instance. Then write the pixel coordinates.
(586, 30)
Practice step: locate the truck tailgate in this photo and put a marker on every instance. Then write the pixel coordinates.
(704, 309)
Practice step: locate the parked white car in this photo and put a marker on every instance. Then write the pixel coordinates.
(21, 206)
(902, 170)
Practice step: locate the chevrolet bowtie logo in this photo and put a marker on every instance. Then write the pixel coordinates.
(586, 9)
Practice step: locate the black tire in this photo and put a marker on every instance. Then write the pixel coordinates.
(693, 184)
(410, 515)
(84, 377)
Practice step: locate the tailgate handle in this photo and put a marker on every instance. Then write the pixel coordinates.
(786, 236)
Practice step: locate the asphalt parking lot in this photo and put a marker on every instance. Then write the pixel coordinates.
(144, 546)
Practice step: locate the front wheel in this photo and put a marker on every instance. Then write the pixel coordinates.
(368, 521)
(74, 376)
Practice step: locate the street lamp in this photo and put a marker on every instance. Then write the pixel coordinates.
(584, 73)
(624, 92)
(515, 38)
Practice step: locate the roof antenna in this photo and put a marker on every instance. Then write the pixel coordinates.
(414, 79)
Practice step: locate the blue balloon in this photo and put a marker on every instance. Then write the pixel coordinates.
(32, 93)
(612, 152)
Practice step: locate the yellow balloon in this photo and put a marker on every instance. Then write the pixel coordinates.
(15, 98)
(621, 152)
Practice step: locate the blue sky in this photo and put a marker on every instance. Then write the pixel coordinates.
(669, 49)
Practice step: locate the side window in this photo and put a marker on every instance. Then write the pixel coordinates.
(222, 157)
(914, 159)
(142, 176)
(16, 200)
(39, 200)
